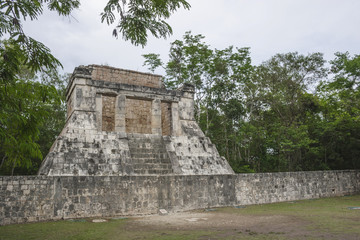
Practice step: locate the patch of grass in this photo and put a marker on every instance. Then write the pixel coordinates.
(113, 229)
(181, 235)
(253, 237)
(59, 230)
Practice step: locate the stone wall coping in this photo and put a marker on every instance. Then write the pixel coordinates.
(134, 88)
(177, 175)
(123, 70)
(83, 71)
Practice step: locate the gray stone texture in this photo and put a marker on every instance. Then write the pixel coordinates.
(39, 198)
(123, 122)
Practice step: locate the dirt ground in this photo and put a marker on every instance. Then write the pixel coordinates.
(227, 225)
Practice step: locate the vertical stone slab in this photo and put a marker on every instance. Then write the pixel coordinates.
(120, 111)
(156, 117)
(175, 124)
(70, 106)
(58, 198)
(98, 109)
(187, 105)
(78, 97)
(84, 97)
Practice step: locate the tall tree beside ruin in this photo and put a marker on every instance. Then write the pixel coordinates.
(339, 133)
(283, 84)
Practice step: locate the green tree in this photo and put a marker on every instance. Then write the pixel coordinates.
(34, 122)
(138, 17)
(339, 132)
(23, 109)
(283, 83)
(23, 101)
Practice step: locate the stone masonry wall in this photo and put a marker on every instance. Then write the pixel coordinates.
(38, 198)
(138, 116)
(118, 75)
(108, 113)
(262, 188)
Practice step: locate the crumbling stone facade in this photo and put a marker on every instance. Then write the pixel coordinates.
(123, 122)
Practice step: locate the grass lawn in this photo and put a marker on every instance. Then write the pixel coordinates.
(329, 218)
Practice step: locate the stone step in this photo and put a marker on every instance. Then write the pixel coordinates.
(140, 166)
(149, 156)
(148, 150)
(145, 146)
(151, 161)
(152, 171)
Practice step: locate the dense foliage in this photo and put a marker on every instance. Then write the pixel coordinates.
(25, 103)
(290, 113)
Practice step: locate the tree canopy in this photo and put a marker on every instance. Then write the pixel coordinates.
(138, 17)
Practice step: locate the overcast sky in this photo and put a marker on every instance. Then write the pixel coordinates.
(266, 26)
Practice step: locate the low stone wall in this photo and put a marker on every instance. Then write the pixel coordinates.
(261, 188)
(38, 198)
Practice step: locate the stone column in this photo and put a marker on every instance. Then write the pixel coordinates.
(98, 110)
(186, 104)
(176, 129)
(120, 112)
(156, 117)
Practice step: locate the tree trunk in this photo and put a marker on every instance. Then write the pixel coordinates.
(207, 121)
(2, 161)
(13, 167)
(226, 143)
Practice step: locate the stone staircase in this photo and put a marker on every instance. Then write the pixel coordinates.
(149, 155)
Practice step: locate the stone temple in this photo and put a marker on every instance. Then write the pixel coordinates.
(122, 122)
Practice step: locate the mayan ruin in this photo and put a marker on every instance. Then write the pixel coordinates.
(122, 122)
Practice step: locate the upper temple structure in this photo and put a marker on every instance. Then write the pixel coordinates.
(122, 122)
